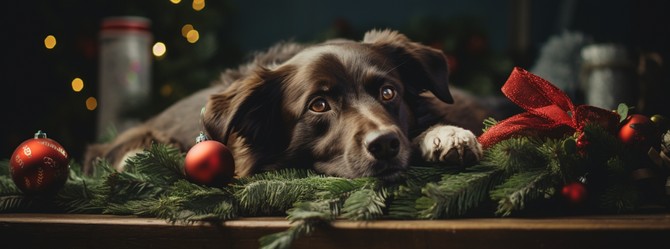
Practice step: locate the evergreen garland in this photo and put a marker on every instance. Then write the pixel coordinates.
(515, 173)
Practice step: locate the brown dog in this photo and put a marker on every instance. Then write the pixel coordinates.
(342, 108)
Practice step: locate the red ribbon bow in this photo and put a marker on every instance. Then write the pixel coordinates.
(549, 111)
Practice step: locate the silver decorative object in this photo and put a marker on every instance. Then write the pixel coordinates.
(607, 76)
(125, 66)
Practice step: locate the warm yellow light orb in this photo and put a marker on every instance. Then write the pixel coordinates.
(185, 29)
(175, 1)
(77, 84)
(50, 42)
(192, 36)
(91, 103)
(198, 5)
(159, 49)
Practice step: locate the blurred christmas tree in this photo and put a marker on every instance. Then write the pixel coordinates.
(52, 61)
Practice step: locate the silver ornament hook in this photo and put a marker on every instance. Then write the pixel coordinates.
(201, 137)
(40, 134)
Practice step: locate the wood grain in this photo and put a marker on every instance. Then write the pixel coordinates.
(107, 231)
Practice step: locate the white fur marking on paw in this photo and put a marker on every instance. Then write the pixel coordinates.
(439, 140)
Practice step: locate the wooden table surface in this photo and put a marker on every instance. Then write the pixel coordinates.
(108, 231)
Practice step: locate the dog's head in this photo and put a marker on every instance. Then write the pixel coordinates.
(344, 108)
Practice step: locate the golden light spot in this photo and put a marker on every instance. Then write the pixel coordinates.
(198, 5)
(77, 84)
(91, 103)
(50, 42)
(175, 1)
(166, 90)
(192, 36)
(159, 49)
(185, 29)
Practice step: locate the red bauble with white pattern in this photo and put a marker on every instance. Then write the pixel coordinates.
(39, 165)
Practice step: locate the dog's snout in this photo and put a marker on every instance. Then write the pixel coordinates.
(382, 145)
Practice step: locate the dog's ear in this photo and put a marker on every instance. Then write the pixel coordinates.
(421, 67)
(250, 109)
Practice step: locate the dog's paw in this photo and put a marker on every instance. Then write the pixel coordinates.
(449, 144)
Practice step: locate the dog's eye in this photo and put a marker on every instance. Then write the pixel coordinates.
(319, 105)
(387, 93)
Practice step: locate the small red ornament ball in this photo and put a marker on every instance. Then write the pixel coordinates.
(638, 131)
(574, 192)
(209, 163)
(39, 165)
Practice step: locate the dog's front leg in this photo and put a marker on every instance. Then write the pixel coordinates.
(448, 144)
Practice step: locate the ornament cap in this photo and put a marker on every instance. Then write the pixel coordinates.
(201, 137)
(582, 179)
(40, 134)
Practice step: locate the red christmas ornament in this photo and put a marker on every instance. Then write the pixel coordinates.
(209, 163)
(575, 192)
(39, 165)
(640, 132)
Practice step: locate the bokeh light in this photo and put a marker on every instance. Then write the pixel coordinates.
(185, 29)
(91, 103)
(77, 84)
(159, 49)
(166, 90)
(175, 1)
(193, 36)
(198, 5)
(50, 42)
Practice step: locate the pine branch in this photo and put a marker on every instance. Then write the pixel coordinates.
(488, 123)
(12, 203)
(515, 155)
(274, 193)
(325, 204)
(562, 158)
(456, 194)
(365, 204)
(520, 189)
(125, 186)
(206, 203)
(4, 167)
(77, 196)
(340, 188)
(7, 187)
(404, 196)
(271, 197)
(283, 240)
(282, 174)
(619, 198)
(403, 203)
(603, 145)
(305, 217)
(161, 165)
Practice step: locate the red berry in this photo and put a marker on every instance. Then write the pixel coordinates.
(574, 192)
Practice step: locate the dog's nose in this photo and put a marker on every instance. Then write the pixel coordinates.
(382, 144)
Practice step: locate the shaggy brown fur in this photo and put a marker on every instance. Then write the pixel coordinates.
(342, 107)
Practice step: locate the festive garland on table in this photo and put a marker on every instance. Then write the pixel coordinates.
(526, 170)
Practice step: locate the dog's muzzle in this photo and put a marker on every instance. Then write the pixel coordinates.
(383, 144)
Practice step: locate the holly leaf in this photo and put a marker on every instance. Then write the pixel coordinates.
(622, 110)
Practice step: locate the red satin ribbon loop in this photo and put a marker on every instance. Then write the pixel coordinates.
(549, 111)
